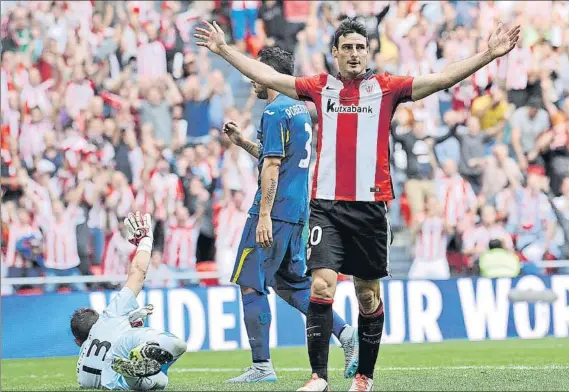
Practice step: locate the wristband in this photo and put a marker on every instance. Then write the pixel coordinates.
(145, 244)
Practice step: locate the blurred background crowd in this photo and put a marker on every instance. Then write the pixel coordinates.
(109, 107)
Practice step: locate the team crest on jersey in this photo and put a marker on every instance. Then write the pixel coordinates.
(369, 88)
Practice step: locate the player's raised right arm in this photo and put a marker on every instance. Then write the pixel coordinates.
(213, 38)
(140, 234)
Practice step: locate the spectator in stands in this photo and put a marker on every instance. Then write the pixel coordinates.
(61, 256)
(230, 223)
(243, 19)
(181, 237)
(155, 109)
(457, 198)
(498, 169)
(561, 203)
(472, 156)
(431, 240)
(273, 26)
(527, 123)
(197, 110)
(477, 239)
(151, 57)
(118, 251)
(159, 275)
(492, 111)
(30, 249)
(420, 172)
(497, 262)
(553, 147)
(531, 218)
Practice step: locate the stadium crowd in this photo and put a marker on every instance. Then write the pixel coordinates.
(108, 107)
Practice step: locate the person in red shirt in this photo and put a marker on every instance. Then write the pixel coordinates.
(349, 230)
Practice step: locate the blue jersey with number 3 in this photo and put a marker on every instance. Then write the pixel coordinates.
(286, 132)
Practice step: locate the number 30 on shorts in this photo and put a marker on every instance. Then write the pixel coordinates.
(315, 236)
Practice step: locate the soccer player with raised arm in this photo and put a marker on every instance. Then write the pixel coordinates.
(117, 353)
(272, 251)
(349, 231)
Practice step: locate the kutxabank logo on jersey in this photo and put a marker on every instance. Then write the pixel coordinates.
(335, 107)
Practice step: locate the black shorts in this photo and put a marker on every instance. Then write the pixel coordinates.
(350, 237)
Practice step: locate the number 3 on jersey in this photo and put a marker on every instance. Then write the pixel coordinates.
(304, 163)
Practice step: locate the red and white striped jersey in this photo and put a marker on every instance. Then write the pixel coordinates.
(482, 235)
(230, 224)
(15, 232)
(431, 241)
(144, 201)
(354, 116)
(117, 256)
(458, 199)
(60, 240)
(167, 190)
(181, 244)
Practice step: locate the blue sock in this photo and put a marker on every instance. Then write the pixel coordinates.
(300, 299)
(257, 316)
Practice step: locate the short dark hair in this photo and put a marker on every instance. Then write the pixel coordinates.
(349, 26)
(82, 321)
(277, 58)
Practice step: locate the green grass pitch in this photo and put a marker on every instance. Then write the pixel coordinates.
(537, 365)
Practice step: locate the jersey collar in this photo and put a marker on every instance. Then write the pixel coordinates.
(366, 75)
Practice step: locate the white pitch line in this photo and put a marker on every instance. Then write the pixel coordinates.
(386, 369)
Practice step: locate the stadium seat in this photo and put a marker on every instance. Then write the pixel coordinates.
(207, 266)
(457, 262)
(30, 291)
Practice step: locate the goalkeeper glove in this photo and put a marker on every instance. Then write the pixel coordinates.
(139, 231)
(138, 317)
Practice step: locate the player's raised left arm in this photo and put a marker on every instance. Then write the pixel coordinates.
(140, 234)
(500, 43)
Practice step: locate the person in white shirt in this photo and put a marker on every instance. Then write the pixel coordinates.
(117, 353)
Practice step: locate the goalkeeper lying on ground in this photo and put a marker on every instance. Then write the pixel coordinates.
(116, 351)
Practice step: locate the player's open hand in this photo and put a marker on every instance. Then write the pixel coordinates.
(231, 129)
(502, 41)
(211, 37)
(264, 233)
(138, 227)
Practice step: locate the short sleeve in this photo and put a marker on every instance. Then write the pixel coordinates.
(122, 304)
(401, 87)
(273, 129)
(307, 87)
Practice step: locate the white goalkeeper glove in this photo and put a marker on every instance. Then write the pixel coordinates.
(138, 317)
(139, 231)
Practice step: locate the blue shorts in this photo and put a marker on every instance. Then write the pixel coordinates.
(281, 266)
(243, 21)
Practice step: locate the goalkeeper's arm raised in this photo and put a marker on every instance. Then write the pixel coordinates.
(139, 234)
